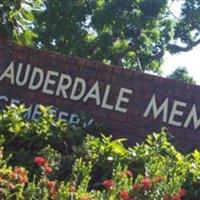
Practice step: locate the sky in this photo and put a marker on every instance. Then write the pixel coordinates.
(190, 59)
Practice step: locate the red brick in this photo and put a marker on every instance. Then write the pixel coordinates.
(53, 56)
(43, 53)
(81, 62)
(148, 77)
(128, 73)
(107, 68)
(2, 41)
(138, 75)
(34, 60)
(9, 43)
(119, 70)
(71, 61)
(20, 55)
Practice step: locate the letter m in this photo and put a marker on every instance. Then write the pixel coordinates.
(157, 110)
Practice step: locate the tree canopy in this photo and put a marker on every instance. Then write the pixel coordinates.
(181, 73)
(17, 18)
(131, 33)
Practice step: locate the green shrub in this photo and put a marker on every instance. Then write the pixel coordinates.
(49, 160)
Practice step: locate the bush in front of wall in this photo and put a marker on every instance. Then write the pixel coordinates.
(47, 159)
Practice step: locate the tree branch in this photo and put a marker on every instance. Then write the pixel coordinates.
(176, 48)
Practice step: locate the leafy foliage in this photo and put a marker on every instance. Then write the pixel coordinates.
(120, 37)
(133, 34)
(93, 168)
(16, 19)
(181, 73)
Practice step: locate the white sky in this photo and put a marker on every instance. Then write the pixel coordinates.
(190, 59)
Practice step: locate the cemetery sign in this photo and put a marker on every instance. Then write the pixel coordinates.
(129, 104)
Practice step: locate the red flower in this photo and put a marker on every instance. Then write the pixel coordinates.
(176, 197)
(48, 169)
(167, 197)
(14, 175)
(108, 184)
(11, 186)
(19, 174)
(137, 186)
(39, 160)
(146, 182)
(182, 192)
(124, 195)
(51, 185)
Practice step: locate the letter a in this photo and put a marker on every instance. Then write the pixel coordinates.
(9, 73)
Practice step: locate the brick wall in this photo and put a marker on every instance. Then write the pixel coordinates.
(132, 125)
